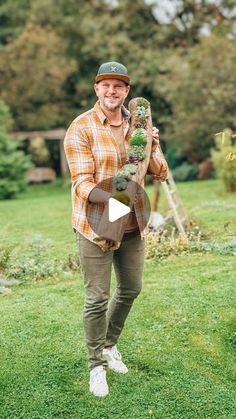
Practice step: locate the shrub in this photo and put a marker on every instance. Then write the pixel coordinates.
(227, 248)
(185, 172)
(206, 170)
(173, 157)
(31, 268)
(5, 117)
(30, 262)
(162, 243)
(224, 159)
(13, 162)
(72, 263)
(5, 253)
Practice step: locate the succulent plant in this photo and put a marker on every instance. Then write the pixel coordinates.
(122, 197)
(139, 137)
(142, 102)
(131, 167)
(128, 170)
(141, 112)
(126, 173)
(137, 151)
(119, 182)
(132, 160)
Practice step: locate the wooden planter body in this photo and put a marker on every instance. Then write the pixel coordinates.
(115, 230)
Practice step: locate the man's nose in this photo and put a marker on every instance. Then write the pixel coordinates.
(111, 89)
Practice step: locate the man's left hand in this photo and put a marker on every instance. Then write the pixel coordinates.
(155, 138)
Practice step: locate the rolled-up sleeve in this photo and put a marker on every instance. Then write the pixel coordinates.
(80, 161)
(158, 166)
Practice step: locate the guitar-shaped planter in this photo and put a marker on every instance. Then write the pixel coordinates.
(140, 119)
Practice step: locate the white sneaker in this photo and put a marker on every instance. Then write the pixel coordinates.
(98, 383)
(113, 358)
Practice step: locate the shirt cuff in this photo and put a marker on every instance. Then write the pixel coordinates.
(83, 190)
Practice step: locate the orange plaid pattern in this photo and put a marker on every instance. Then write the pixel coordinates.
(93, 156)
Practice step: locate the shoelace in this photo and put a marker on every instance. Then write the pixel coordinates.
(99, 376)
(116, 353)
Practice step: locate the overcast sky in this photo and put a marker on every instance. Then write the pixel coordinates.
(164, 10)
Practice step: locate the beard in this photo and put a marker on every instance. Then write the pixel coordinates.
(109, 106)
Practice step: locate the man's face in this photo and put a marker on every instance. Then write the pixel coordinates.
(111, 93)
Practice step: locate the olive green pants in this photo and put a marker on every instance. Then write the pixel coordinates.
(103, 323)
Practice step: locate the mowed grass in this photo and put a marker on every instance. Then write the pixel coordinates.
(178, 342)
(42, 211)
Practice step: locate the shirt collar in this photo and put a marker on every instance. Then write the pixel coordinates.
(126, 114)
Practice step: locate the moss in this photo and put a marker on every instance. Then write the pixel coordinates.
(122, 197)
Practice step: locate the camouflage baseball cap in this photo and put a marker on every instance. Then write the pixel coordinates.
(112, 70)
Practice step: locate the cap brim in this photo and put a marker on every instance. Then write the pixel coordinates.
(122, 77)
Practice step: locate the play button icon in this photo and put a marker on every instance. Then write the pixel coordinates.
(119, 215)
(116, 210)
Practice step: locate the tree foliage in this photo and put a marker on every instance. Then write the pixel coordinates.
(13, 17)
(201, 87)
(50, 51)
(33, 69)
(192, 18)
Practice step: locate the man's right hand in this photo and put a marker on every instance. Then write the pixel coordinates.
(98, 196)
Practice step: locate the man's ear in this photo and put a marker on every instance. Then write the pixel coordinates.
(95, 86)
(128, 89)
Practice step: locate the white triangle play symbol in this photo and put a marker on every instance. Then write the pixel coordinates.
(116, 210)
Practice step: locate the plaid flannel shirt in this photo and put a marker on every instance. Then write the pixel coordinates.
(94, 156)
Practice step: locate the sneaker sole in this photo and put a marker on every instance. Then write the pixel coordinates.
(119, 372)
(99, 395)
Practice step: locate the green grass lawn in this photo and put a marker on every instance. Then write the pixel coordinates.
(179, 340)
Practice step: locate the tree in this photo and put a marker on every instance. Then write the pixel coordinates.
(189, 19)
(134, 29)
(58, 51)
(86, 29)
(13, 17)
(201, 88)
(33, 70)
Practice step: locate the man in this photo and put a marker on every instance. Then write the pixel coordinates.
(95, 145)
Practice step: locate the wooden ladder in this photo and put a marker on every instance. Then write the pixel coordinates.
(176, 206)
